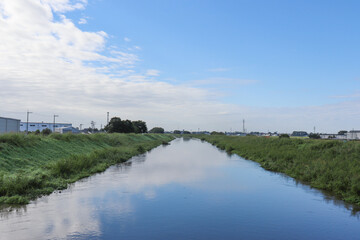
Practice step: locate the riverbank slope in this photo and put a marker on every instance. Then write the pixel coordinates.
(33, 165)
(330, 165)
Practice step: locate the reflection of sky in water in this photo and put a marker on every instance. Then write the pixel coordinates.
(185, 190)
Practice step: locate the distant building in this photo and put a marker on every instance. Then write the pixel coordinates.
(33, 126)
(67, 130)
(348, 136)
(9, 125)
(340, 136)
(353, 135)
(299, 134)
(328, 136)
(255, 133)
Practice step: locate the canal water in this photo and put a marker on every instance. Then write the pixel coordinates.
(187, 190)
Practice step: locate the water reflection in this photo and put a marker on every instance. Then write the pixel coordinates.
(188, 190)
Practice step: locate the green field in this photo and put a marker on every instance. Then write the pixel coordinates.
(330, 165)
(33, 165)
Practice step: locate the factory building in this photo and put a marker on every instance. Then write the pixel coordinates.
(67, 130)
(33, 126)
(353, 135)
(9, 125)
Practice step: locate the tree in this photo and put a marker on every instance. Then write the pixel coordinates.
(217, 133)
(314, 136)
(284, 135)
(157, 130)
(46, 131)
(139, 126)
(121, 126)
(127, 127)
(114, 125)
(177, 132)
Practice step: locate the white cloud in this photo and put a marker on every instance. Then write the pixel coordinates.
(51, 66)
(127, 39)
(153, 72)
(82, 21)
(223, 81)
(356, 94)
(65, 5)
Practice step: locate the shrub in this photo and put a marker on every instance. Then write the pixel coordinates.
(314, 136)
(157, 130)
(46, 132)
(284, 136)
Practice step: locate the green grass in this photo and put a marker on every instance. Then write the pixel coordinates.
(31, 166)
(330, 165)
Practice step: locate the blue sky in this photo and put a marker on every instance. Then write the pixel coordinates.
(270, 62)
(297, 52)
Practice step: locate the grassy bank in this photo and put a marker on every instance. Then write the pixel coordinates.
(333, 166)
(31, 166)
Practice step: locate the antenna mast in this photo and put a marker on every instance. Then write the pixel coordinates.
(243, 125)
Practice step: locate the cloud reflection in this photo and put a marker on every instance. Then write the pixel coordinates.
(75, 211)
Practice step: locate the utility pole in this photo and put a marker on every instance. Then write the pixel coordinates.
(243, 125)
(27, 121)
(55, 116)
(107, 118)
(314, 130)
(81, 126)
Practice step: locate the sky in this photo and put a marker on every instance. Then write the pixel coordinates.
(183, 64)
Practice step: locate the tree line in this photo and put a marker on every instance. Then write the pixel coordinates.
(116, 125)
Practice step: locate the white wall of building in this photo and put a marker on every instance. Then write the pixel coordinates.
(67, 130)
(33, 126)
(9, 125)
(353, 135)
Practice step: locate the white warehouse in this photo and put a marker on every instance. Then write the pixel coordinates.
(33, 126)
(9, 125)
(353, 135)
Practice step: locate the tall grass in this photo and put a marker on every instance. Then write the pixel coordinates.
(330, 165)
(31, 165)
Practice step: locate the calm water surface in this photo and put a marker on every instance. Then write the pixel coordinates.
(188, 190)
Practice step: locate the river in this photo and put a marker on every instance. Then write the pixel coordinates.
(187, 190)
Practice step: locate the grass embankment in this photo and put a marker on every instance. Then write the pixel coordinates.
(330, 165)
(31, 166)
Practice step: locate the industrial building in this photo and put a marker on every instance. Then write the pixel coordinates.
(353, 135)
(299, 134)
(9, 125)
(67, 130)
(33, 126)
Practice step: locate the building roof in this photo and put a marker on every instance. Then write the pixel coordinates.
(66, 128)
(10, 118)
(47, 122)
